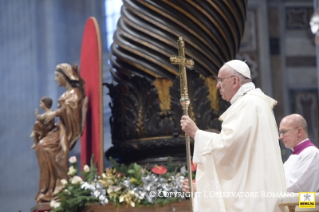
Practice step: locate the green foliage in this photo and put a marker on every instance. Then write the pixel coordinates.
(171, 167)
(73, 198)
(89, 176)
(134, 171)
(119, 168)
(163, 201)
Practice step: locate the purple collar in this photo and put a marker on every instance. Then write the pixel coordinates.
(297, 149)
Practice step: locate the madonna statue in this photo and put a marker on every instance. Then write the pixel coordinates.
(53, 150)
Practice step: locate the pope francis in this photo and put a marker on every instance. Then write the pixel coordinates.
(239, 169)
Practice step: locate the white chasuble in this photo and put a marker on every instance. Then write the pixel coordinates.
(241, 169)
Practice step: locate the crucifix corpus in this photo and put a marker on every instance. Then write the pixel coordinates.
(184, 63)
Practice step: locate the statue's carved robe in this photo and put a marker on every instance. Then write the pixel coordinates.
(41, 129)
(244, 157)
(53, 150)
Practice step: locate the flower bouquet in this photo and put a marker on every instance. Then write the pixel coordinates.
(122, 185)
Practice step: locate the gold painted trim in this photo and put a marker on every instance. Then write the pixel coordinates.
(149, 45)
(236, 17)
(211, 83)
(176, 34)
(198, 22)
(171, 43)
(154, 138)
(101, 159)
(147, 57)
(217, 25)
(182, 25)
(227, 21)
(242, 10)
(163, 87)
(137, 66)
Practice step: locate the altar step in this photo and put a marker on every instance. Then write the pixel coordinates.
(182, 206)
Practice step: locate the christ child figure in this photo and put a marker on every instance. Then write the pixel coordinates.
(41, 128)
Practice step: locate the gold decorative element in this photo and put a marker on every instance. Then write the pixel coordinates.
(162, 85)
(211, 83)
(184, 63)
(140, 124)
(226, 20)
(217, 25)
(98, 34)
(154, 47)
(165, 28)
(191, 113)
(153, 138)
(146, 57)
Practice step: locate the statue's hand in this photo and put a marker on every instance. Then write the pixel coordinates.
(36, 112)
(48, 116)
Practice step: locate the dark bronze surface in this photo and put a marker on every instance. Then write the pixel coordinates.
(146, 112)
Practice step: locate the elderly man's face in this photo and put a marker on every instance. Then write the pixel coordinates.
(288, 133)
(228, 84)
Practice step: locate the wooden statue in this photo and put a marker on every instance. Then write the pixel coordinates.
(41, 127)
(53, 149)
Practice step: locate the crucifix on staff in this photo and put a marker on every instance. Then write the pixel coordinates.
(184, 63)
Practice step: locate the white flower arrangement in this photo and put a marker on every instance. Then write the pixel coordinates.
(121, 185)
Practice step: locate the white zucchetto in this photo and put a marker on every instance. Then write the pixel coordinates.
(240, 66)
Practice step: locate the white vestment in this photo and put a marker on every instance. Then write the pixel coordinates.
(302, 171)
(241, 169)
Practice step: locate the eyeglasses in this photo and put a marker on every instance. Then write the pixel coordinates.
(221, 79)
(284, 132)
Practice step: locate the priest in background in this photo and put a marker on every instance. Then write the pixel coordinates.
(239, 169)
(302, 167)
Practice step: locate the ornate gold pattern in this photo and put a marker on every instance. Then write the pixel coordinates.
(140, 124)
(211, 83)
(164, 96)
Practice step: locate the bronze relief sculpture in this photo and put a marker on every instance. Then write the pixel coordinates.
(53, 149)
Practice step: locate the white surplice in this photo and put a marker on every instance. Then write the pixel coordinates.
(244, 159)
(302, 171)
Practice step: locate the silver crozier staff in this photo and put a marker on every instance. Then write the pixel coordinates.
(184, 63)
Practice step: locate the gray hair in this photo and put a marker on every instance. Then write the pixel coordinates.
(242, 78)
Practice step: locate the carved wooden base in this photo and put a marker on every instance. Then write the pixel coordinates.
(145, 123)
(292, 208)
(41, 207)
(183, 206)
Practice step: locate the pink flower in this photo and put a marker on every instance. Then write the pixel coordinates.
(86, 168)
(72, 171)
(119, 175)
(72, 159)
(64, 182)
(76, 180)
(193, 166)
(159, 170)
(54, 204)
